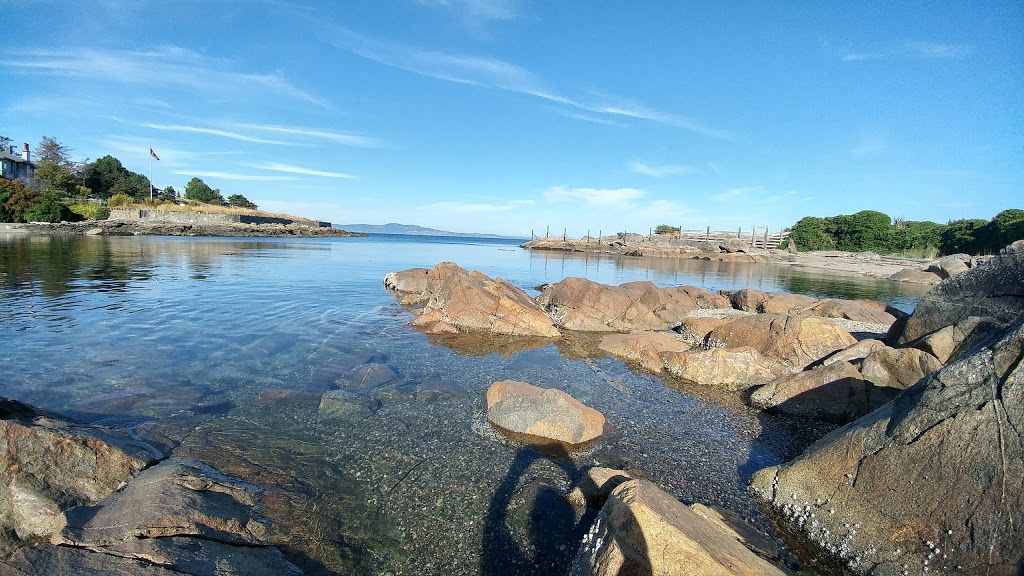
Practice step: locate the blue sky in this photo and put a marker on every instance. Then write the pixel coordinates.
(508, 116)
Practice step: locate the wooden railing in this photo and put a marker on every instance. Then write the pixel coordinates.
(757, 236)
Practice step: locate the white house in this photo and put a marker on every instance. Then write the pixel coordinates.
(13, 166)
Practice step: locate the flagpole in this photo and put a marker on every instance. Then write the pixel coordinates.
(150, 172)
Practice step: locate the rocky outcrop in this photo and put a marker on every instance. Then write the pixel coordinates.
(857, 351)
(49, 464)
(544, 415)
(915, 276)
(178, 517)
(695, 329)
(794, 340)
(643, 530)
(898, 367)
(583, 305)
(994, 291)
(950, 342)
(643, 348)
(724, 368)
(867, 311)
(459, 301)
(932, 480)
(949, 266)
(836, 392)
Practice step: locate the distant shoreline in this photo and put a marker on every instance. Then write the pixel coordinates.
(138, 228)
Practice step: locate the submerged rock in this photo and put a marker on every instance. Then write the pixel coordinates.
(547, 414)
(643, 530)
(934, 478)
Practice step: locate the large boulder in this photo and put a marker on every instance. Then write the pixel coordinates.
(898, 367)
(415, 285)
(459, 301)
(794, 340)
(643, 348)
(695, 329)
(949, 266)
(950, 342)
(933, 479)
(643, 530)
(723, 368)
(49, 464)
(994, 290)
(835, 392)
(857, 351)
(545, 415)
(584, 305)
(915, 276)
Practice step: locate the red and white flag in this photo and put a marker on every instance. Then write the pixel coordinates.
(153, 154)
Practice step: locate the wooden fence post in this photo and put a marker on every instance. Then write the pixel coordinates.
(765, 238)
(707, 235)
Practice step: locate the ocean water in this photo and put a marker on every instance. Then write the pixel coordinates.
(222, 349)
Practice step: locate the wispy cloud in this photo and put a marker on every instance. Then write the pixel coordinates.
(279, 167)
(936, 50)
(216, 132)
(603, 197)
(478, 9)
(734, 193)
(162, 66)
(234, 176)
(914, 50)
(660, 171)
(354, 140)
(487, 72)
(477, 208)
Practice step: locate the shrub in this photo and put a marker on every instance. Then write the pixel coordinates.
(47, 211)
(119, 200)
(90, 210)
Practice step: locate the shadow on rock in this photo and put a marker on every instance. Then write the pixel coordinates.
(531, 527)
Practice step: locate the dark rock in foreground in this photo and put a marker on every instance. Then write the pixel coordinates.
(643, 530)
(933, 479)
(994, 291)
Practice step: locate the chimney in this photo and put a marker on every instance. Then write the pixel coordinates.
(25, 153)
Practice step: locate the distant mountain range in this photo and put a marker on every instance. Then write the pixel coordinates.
(411, 230)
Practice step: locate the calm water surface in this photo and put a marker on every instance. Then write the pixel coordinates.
(221, 349)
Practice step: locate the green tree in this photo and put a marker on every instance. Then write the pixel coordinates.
(810, 233)
(198, 190)
(241, 201)
(15, 199)
(1004, 229)
(56, 179)
(666, 229)
(962, 236)
(103, 174)
(867, 230)
(168, 194)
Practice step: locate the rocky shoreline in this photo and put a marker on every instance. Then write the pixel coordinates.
(137, 228)
(895, 268)
(926, 473)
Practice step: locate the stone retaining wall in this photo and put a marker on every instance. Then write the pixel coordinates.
(179, 217)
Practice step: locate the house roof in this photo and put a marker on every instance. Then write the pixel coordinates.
(5, 155)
